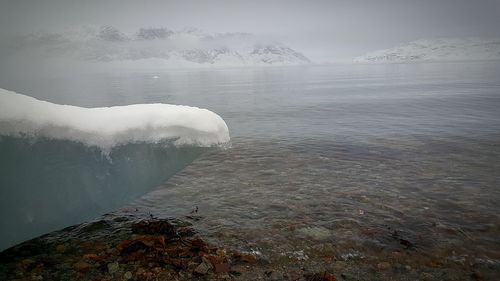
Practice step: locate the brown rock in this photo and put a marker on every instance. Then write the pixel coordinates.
(383, 265)
(221, 252)
(198, 245)
(436, 263)
(61, 248)
(339, 266)
(397, 254)
(202, 268)
(214, 260)
(153, 241)
(239, 269)
(222, 268)
(93, 257)
(123, 244)
(248, 258)
(325, 276)
(81, 266)
(370, 231)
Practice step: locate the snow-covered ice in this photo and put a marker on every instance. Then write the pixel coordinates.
(62, 164)
(106, 127)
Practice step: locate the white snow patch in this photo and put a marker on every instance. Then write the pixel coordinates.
(106, 127)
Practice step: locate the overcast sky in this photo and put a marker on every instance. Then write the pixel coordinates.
(323, 30)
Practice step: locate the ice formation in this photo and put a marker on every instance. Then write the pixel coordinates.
(53, 172)
(109, 126)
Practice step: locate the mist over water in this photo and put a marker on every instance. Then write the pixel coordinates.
(323, 30)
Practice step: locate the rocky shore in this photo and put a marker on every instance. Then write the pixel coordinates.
(152, 249)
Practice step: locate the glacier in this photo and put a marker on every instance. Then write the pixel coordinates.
(62, 164)
(437, 50)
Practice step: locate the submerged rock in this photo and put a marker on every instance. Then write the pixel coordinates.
(81, 266)
(316, 233)
(383, 265)
(151, 249)
(61, 248)
(203, 267)
(324, 276)
(127, 275)
(113, 267)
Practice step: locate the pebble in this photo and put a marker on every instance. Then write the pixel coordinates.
(127, 275)
(113, 267)
(221, 268)
(276, 275)
(248, 258)
(383, 265)
(339, 266)
(81, 265)
(202, 268)
(221, 252)
(60, 248)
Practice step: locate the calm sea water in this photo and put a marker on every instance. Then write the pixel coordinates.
(356, 164)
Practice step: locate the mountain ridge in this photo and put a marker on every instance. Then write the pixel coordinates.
(438, 49)
(189, 46)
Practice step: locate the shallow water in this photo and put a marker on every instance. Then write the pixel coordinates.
(332, 167)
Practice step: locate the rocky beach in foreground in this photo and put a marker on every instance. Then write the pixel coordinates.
(148, 249)
(139, 248)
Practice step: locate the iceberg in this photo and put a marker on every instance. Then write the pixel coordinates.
(63, 164)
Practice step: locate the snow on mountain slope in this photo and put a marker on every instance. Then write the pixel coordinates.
(187, 47)
(442, 49)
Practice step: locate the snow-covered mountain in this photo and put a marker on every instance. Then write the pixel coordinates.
(442, 49)
(186, 47)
